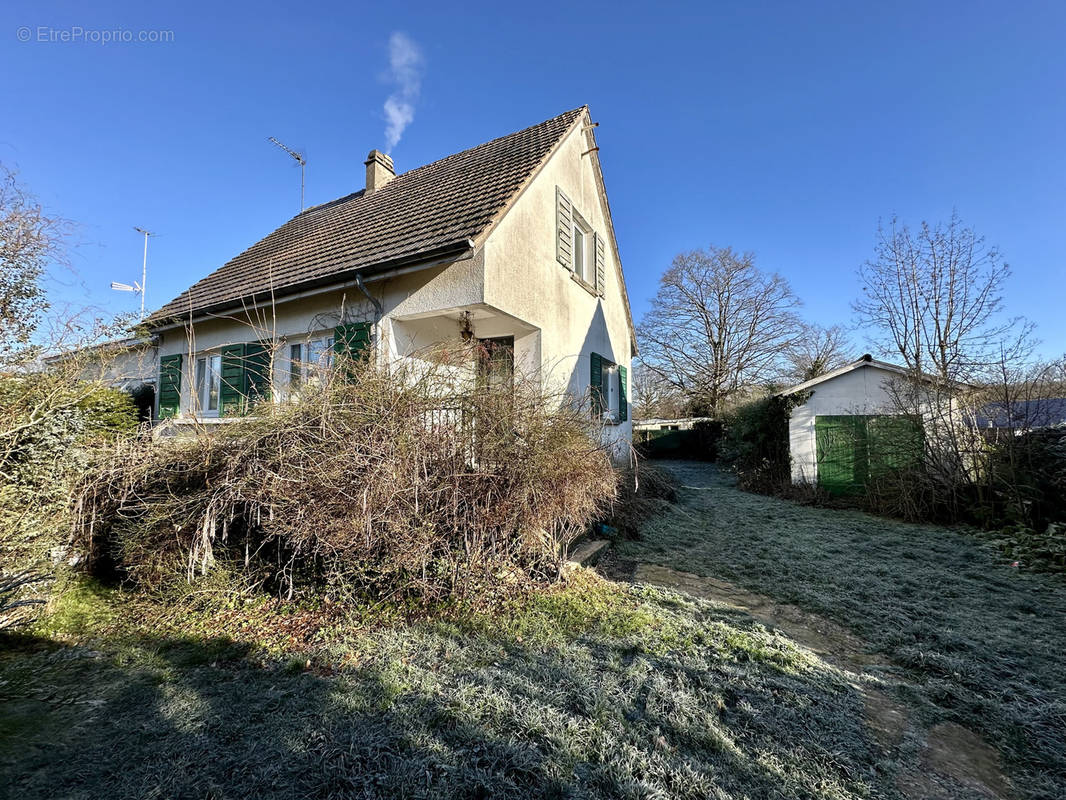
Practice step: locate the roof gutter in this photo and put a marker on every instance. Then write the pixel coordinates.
(362, 275)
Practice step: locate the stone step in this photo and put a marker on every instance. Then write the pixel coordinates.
(588, 553)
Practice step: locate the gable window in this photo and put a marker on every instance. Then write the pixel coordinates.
(309, 360)
(208, 383)
(583, 252)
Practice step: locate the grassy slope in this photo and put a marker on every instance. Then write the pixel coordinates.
(985, 641)
(594, 691)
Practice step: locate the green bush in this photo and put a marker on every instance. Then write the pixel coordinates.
(754, 443)
(49, 425)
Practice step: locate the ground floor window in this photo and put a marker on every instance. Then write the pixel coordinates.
(208, 383)
(609, 390)
(309, 361)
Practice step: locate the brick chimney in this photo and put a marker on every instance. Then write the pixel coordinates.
(379, 170)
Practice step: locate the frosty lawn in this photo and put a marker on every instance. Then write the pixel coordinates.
(979, 642)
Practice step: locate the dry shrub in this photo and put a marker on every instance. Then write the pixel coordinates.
(369, 483)
(643, 490)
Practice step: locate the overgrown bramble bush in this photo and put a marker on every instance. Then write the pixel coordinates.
(49, 423)
(368, 483)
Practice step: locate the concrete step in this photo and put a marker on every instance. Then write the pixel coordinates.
(588, 553)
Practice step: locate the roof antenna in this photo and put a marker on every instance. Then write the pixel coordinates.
(137, 288)
(299, 160)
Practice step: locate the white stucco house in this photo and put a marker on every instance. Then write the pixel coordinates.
(848, 424)
(510, 243)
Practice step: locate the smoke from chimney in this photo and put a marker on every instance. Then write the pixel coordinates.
(405, 73)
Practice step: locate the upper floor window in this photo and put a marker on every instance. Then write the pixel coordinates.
(577, 246)
(583, 251)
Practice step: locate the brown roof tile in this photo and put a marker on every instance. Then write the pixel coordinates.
(425, 211)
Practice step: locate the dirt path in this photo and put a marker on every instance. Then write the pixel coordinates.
(945, 762)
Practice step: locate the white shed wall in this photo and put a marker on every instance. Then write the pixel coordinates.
(862, 391)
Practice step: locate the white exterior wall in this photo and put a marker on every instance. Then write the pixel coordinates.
(511, 286)
(523, 277)
(862, 391)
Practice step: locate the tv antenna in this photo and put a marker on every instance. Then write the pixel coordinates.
(137, 288)
(299, 160)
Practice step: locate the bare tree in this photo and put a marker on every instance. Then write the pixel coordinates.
(718, 325)
(654, 396)
(29, 240)
(818, 351)
(934, 296)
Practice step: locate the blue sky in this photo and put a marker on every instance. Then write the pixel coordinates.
(787, 129)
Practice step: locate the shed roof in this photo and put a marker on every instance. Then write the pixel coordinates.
(866, 361)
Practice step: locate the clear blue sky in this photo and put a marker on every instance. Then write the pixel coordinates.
(785, 128)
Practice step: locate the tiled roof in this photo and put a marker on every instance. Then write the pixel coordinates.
(1046, 412)
(429, 210)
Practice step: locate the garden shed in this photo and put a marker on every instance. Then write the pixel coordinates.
(846, 427)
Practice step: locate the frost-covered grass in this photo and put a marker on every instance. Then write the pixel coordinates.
(984, 642)
(594, 690)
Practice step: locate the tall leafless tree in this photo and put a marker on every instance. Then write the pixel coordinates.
(935, 298)
(717, 326)
(818, 351)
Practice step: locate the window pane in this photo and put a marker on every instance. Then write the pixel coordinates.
(579, 251)
(609, 388)
(201, 369)
(215, 383)
(296, 366)
(314, 353)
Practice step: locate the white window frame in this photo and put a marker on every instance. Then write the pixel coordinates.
(205, 378)
(609, 390)
(588, 244)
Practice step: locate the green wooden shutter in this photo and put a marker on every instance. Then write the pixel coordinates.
(596, 384)
(169, 385)
(257, 362)
(234, 389)
(623, 394)
(352, 339)
(350, 342)
(601, 271)
(564, 229)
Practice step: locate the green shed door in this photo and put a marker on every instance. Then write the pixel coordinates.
(851, 449)
(840, 442)
(895, 443)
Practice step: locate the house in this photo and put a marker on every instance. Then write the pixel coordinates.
(510, 243)
(1021, 416)
(129, 364)
(848, 425)
(681, 424)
